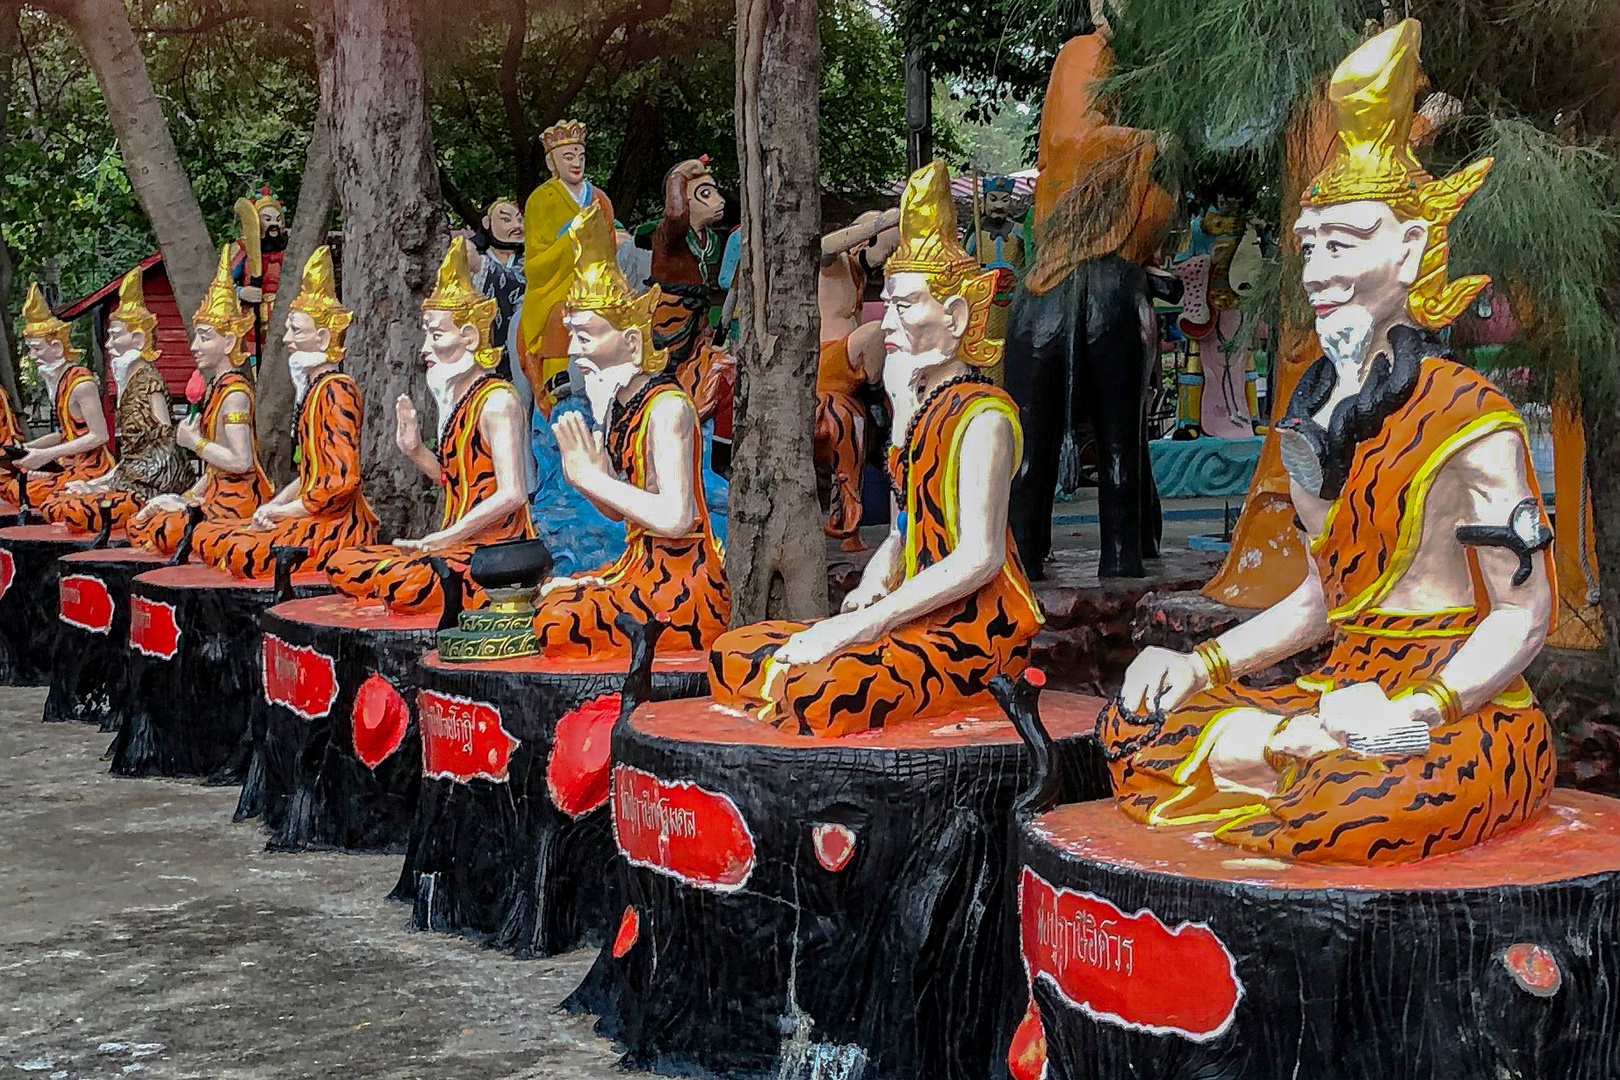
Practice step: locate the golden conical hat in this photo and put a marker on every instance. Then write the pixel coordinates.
(317, 298)
(134, 314)
(40, 322)
(220, 307)
(453, 291)
(600, 286)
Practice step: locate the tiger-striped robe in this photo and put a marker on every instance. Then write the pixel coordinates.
(86, 466)
(683, 579)
(12, 430)
(1488, 774)
(328, 452)
(404, 580)
(939, 664)
(840, 445)
(224, 496)
(149, 461)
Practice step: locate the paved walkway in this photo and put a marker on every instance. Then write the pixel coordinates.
(143, 935)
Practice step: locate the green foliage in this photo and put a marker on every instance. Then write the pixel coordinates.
(993, 52)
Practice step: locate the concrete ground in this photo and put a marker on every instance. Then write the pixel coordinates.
(144, 935)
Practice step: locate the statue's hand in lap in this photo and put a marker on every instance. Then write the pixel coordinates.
(864, 595)
(161, 504)
(583, 452)
(431, 542)
(820, 640)
(1161, 679)
(1303, 737)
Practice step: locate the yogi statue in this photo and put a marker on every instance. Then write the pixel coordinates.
(78, 445)
(944, 605)
(221, 434)
(1429, 575)
(645, 472)
(479, 457)
(324, 508)
(149, 461)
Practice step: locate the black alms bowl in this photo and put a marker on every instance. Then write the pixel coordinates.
(510, 564)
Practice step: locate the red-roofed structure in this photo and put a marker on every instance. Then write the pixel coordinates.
(174, 360)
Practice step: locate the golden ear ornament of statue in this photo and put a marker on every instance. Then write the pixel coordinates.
(40, 322)
(453, 291)
(1373, 96)
(562, 133)
(317, 298)
(928, 246)
(600, 286)
(134, 314)
(220, 307)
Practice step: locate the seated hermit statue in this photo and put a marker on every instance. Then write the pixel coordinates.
(324, 509)
(644, 471)
(149, 461)
(77, 448)
(1429, 574)
(221, 434)
(479, 457)
(944, 604)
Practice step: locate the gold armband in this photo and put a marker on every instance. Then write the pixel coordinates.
(1444, 698)
(202, 444)
(1216, 666)
(236, 418)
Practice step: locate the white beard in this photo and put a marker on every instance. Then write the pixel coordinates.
(602, 387)
(51, 374)
(120, 368)
(903, 374)
(1345, 332)
(439, 378)
(299, 365)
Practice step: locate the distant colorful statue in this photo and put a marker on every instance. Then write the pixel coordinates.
(548, 266)
(645, 470)
(149, 462)
(687, 250)
(1221, 403)
(324, 509)
(477, 460)
(944, 605)
(261, 248)
(997, 241)
(221, 433)
(77, 448)
(499, 276)
(851, 359)
(1429, 577)
(1081, 333)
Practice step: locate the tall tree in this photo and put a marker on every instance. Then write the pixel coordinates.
(150, 159)
(777, 558)
(394, 230)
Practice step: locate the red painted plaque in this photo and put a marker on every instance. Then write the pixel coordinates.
(153, 628)
(462, 739)
(677, 828)
(378, 720)
(83, 601)
(8, 570)
(1127, 970)
(577, 771)
(298, 677)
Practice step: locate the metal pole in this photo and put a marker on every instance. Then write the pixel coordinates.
(919, 110)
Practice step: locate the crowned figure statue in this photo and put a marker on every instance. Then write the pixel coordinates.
(149, 461)
(944, 606)
(324, 508)
(478, 460)
(1428, 571)
(221, 434)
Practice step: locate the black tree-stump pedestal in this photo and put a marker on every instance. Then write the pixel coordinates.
(803, 907)
(333, 742)
(511, 837)
(194, 672)
(28, 555)
(1166, 954)
(90, 676)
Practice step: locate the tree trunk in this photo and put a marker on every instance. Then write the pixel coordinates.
(394, 235)
(8, 53)
(517, 126)
(150, 159)
(317, 196)
(1600, 397)
(776, 558)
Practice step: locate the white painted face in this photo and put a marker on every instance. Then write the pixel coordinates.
(607, 357)
(47, 354)
(212, 348)
(568, 162)
(444, 344)
(916, 324)
(1361, 261)
(121, 339)
(271, 220)
(505, 222)
(304, 336)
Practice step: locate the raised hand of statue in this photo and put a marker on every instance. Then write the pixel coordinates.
(250, 294)
(1161, 679)
(188, 432)
(583, 452)
(407, 428)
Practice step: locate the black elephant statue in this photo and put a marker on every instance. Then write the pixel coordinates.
(1084, 350)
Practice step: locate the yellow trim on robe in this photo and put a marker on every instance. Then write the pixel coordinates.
(1411, 527)
(1194, 760)
(475, 414)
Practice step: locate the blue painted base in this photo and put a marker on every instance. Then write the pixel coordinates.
(1203, 467)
